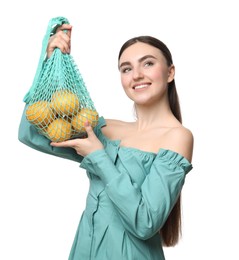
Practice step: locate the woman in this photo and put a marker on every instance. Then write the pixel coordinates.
(136, 169)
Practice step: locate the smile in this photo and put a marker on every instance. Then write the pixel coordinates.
(141, 86)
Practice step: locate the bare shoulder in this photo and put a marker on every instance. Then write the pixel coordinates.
(180, 140)
(114, 122)
(114, 128)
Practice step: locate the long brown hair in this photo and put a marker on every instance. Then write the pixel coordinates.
(171, 230)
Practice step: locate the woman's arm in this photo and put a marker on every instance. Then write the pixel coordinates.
(143, 210)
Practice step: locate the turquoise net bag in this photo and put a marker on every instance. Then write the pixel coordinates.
(58, 102)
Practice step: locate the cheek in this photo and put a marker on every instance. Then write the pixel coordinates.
(157, 75)
(125, 81)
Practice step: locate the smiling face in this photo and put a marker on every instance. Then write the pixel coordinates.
(144, 73)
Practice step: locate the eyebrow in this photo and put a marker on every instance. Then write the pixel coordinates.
(140, 60)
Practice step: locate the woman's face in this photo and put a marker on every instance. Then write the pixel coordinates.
(144, 73)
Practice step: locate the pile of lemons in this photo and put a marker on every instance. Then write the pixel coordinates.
(62, 118)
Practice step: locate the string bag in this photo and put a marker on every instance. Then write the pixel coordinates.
(58, 102)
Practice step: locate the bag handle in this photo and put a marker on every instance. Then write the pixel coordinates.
(53, 24)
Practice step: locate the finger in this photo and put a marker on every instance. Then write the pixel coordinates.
(66, 30)
(66, 40)
(69, 30)
(88, 129)
(63, 27)
(61, 41)
(69, 143)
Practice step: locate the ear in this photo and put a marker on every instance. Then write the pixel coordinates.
(171, 73)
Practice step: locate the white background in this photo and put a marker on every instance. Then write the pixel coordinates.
(42, 197)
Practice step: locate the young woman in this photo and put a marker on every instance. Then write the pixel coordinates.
(136, 169)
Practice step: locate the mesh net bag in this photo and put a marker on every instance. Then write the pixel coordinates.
(58, 101)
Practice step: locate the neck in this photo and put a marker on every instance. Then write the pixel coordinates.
(159, 115)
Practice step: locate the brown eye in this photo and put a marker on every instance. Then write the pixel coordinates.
(125, 70)
(148, 64)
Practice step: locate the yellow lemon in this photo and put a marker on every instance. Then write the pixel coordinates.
(85, 114)
(65, 103)
(40, 113)
(59, 130)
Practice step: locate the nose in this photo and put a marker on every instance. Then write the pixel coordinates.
(137, 73)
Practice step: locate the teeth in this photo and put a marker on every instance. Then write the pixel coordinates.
(141, 86)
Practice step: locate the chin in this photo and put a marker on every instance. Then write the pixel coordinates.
(142, 102)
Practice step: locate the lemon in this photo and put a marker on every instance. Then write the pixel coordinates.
(85, 114)
(40, 113)
(59, 130)
(65, 103)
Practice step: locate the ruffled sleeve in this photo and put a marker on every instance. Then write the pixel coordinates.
(143, 209)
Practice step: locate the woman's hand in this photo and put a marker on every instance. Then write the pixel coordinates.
(83, 146)
(60, 39)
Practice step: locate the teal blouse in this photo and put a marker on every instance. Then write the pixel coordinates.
(130, 196)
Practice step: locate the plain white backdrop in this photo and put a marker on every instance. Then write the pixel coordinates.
(42, 197)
